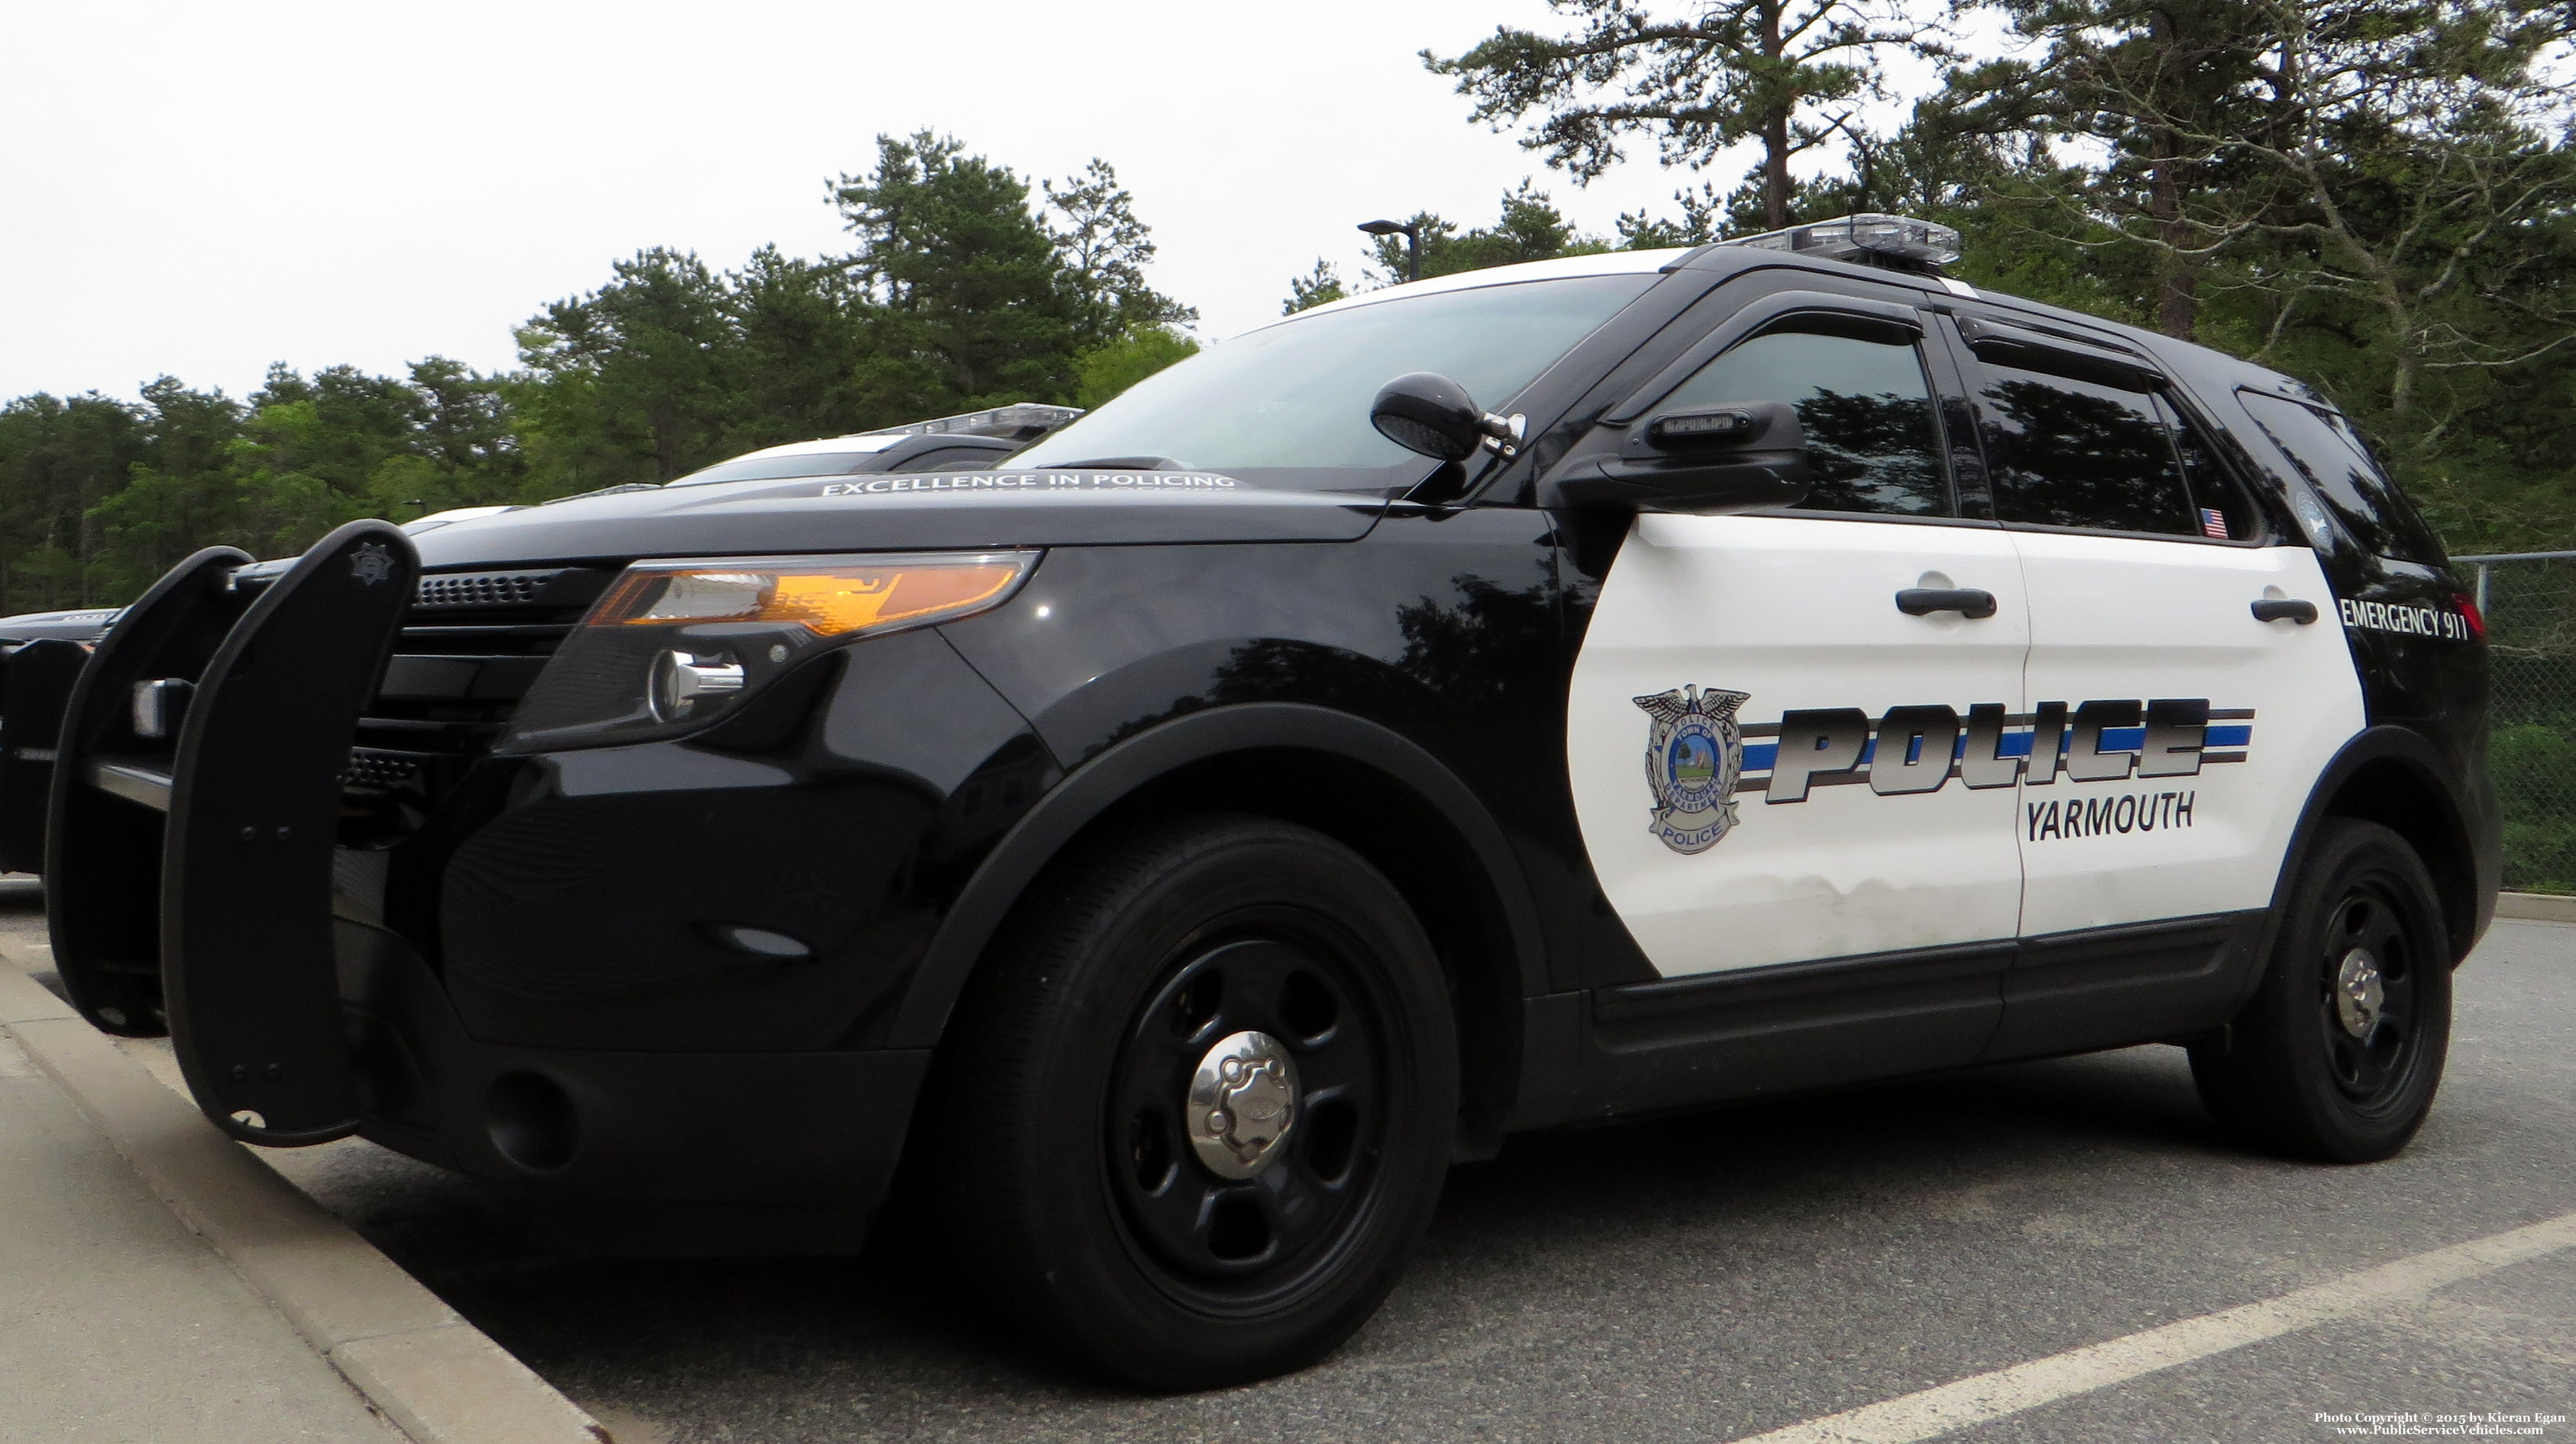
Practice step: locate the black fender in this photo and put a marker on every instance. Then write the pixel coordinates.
(2466, 872)
(1116, 773)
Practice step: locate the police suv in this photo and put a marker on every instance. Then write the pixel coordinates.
(1619, 683)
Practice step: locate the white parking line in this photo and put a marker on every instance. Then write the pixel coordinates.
(1951, 1407)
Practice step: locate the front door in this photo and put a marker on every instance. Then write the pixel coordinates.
(1775, 756)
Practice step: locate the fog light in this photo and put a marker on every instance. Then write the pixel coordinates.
(532, 1121)
(685, 683)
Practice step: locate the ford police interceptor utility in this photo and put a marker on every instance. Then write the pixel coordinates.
(1617, 683)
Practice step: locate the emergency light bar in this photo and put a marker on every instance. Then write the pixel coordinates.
(1025, 422)
(1867, 238)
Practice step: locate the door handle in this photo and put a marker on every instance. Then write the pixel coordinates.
(1966, 601)
(2285, 609)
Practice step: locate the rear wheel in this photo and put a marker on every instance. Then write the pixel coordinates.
(2340, 1052)
(1197, 1106)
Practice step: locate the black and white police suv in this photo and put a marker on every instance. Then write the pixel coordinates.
(1174, 842)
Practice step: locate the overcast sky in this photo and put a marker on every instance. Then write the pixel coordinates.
(200, 189)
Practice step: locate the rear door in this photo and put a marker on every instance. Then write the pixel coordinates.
(1772, 761)
(2175, 736)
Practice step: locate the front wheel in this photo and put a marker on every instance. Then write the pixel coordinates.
(1198, 1102)
(2338, 1055)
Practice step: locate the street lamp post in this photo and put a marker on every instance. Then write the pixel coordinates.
(1412, 243)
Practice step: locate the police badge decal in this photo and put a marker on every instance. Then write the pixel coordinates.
(1694, 753)
(371, 564)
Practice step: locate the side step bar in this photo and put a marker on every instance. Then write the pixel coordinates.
(246, 972)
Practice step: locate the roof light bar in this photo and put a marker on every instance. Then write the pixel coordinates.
(1024, 422)
(1866, 238)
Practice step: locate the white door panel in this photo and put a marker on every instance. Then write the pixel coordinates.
(2122, 618)
(1797, 614)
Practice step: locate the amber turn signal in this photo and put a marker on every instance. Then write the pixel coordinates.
(827, 597)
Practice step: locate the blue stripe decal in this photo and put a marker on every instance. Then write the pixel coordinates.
(1763, 756)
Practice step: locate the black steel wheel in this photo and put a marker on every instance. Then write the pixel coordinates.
(1196, 1107)
(2339, 1054)
(1200, 1210)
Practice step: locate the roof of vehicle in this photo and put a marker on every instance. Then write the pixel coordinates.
(2175, 354)
(1599, 263)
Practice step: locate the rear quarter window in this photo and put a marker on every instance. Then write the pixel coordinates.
(2323, 447)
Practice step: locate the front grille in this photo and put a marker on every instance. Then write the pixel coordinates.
(485, 589)
(471, 647)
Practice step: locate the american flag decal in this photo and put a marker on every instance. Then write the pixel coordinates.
(2213, 523)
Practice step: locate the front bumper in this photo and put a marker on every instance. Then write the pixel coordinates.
(812, 1133)
(192, 881)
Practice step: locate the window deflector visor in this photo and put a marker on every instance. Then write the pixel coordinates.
(1781, 310)
(2055, 355)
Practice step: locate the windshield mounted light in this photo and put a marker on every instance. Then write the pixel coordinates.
(674, 645)
(1866, 237)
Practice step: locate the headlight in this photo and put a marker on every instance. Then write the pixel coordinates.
(673, 645)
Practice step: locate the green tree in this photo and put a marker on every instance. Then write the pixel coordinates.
(1113, 366)
(801, 336)
(966, 290)
(1104, 248)
(1319, 287)
(59, 457)
(974, 306)
(632, 382)
(1788, 74)
(1528, 227)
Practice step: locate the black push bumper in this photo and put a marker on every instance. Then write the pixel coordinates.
(189, 865)
(190, 882)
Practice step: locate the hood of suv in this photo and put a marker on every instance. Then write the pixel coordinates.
(964, 510)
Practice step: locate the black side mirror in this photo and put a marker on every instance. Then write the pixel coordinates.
(1706, 459)
(1427, 412)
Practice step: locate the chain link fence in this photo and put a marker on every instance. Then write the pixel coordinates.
(2529, 599)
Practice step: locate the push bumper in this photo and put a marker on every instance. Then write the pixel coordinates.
(192, 887)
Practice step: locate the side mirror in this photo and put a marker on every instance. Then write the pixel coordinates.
(1703, 459)
(1427, 412)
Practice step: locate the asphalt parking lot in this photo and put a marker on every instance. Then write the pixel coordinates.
(1706, 1277)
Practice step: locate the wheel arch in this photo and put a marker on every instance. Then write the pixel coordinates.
(2393, 776)
(1367, 786)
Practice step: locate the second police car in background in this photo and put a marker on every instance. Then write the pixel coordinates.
(1176, 841)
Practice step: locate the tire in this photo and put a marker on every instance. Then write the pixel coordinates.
(2308, 1074)
(1060, 1153)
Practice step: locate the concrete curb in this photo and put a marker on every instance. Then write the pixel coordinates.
(438, 1378)
(2536, 907)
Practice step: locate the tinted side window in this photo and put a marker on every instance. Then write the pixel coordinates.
(2079, 453)
(1864, 405)
(2226, 513)
(2327, 452)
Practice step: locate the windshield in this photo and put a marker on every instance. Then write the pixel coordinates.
(848, 456)
(1294, 397)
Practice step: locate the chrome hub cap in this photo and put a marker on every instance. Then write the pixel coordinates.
(2359, 993)
(1242, 1102)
